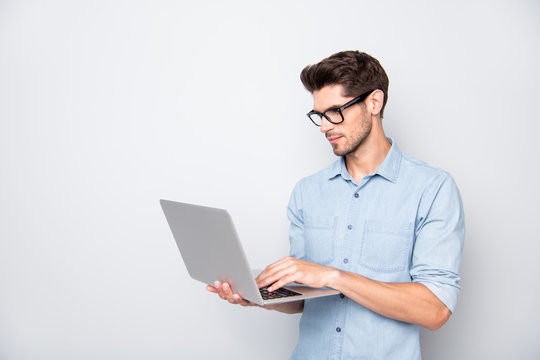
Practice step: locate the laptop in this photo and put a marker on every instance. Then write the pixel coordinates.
(211, 250)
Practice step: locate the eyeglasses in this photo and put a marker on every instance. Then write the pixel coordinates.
(335, 115)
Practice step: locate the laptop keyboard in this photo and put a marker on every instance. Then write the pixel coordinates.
(279, 293)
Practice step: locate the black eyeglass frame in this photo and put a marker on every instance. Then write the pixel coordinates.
(339, 109)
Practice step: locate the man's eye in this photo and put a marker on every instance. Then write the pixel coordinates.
(333, 115)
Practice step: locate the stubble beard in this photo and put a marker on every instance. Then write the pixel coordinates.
(355, 142)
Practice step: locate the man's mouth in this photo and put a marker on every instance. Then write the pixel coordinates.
(334, 138)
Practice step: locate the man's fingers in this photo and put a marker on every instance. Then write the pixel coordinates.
(277, 275)
(282, 282)
(225, 292)
(219, 287)
(270, 269)
(276, 270)
(239, 299)
(229, 295)
(269, 277)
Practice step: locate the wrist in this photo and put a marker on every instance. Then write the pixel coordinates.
(333, 278)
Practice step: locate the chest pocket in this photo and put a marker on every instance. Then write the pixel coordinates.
(386, 245)
(319, 238)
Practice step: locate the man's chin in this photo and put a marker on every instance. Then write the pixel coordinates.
(338, 151)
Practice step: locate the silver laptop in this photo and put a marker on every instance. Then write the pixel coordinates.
(212, 251)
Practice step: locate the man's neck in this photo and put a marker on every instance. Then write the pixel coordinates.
(367, 158)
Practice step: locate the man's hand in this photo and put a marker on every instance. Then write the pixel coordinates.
(289, 269)
(225, 292)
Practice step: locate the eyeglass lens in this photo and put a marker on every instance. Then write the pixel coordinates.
(334, 116)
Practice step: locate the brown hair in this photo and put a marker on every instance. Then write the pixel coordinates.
(356, 71)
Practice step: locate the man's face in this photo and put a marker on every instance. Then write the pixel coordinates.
(347, 136)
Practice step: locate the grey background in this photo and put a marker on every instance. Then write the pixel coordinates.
(108, 106)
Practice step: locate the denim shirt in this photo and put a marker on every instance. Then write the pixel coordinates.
(404, 223)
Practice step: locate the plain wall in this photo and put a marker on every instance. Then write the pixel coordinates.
(108, 106)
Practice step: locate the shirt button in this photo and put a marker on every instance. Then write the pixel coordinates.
(338, 329)
(349, 227)
(345, 260)
(341, 296)
(356, 195)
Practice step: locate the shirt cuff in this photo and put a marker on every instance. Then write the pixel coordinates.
(448, 294)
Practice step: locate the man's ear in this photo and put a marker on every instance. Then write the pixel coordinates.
(375, 101)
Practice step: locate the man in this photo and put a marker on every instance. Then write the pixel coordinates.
(382, 228)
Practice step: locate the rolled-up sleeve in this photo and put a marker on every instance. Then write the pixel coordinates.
(439, 236)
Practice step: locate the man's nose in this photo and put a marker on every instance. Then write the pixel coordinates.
(326, 125)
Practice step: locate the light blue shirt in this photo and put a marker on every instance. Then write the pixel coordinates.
(404, 223)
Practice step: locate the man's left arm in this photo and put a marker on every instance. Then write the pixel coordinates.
(409, 302)
(429, 299)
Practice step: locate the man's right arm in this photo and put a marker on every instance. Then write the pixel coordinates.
(224, 291)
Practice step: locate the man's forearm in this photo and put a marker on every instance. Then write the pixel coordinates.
(409, 302)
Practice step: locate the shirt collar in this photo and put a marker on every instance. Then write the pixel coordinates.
(389, 168)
